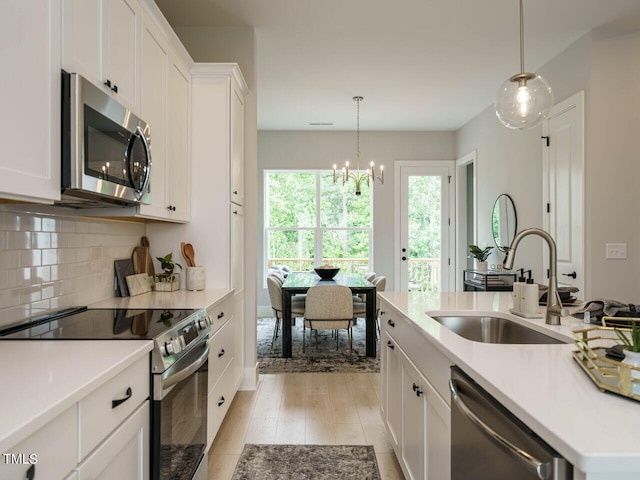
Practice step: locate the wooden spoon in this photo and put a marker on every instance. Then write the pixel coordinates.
(189, 255)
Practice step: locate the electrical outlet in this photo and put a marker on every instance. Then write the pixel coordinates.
(616, 251)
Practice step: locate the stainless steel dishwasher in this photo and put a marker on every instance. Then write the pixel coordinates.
(489, 443)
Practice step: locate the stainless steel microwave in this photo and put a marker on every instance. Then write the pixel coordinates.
(106, 154)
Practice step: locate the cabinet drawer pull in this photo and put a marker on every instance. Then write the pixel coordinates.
(114, 89)
(221, 353)
(418, 392)
(415, 387)
(382, 313)
(31, 473)
(220, 315)
(115, 403)
(221, 401)
(390, 345)
(108, 83)
(391, 323)
(235, 192)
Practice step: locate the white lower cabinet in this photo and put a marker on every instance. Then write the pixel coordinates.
(124, 454)
(103, 436)
(414, 425)
(393, 378)
(416, 416)
(53, 458)
(225, 361)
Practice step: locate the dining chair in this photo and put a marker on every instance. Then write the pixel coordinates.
(328, 307)
(362, 297)
(360, 308)
(274, 285)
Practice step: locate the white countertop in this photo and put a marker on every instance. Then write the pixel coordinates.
(42, 378)
(177, 299)
(541, 384)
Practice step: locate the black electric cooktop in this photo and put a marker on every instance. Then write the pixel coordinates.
(97, 324)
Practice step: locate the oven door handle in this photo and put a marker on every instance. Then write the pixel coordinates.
(175, 374)
(542, 470)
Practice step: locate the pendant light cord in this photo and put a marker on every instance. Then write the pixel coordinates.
(521, 37)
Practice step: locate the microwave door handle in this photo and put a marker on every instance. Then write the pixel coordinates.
(147, 151)
(139, 134)
(542, 470)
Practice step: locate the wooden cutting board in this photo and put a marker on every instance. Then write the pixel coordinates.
(148, 261)
(142, 262)
(139, 258)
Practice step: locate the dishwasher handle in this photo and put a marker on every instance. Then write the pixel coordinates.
(543, 470)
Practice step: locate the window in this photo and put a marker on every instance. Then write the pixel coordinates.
(309, 221)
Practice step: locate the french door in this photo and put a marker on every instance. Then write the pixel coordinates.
(424, 228)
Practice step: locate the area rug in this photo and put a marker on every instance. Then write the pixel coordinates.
(307, 462)
(324, 359)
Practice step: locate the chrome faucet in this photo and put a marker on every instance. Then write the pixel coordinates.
(555, 310)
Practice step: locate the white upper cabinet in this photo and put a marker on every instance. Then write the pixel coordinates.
(178, 141)
(101, 41)
(165, 104)
(30, 86)
(237, 144)
(154, 64)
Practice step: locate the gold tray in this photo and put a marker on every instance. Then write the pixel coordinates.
(609, 375)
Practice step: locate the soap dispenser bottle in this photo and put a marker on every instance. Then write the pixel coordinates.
(530, 297)
(517, 291)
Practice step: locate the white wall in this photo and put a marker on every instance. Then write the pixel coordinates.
(605, 66)
(614, 165)
(320, 150)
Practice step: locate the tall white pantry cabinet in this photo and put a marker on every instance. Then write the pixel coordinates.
(218, 93)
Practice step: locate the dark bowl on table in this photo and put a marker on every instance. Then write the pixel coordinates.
(326, 273)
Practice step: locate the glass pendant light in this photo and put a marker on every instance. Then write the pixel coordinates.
(524, 99)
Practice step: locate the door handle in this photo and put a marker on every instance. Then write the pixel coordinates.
(390, 345)
(542, 470)
(572, 274)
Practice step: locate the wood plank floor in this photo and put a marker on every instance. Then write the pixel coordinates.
(305, 408)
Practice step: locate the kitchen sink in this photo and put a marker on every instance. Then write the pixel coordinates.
(488, 329)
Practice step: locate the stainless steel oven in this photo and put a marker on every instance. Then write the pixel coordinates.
(489, 443)
(179, 417)
(106, 152)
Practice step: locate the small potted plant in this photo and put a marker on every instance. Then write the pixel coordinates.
(168, 281)
(631, 349)
(481, 256)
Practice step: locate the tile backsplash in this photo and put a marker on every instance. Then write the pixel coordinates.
(54, 262)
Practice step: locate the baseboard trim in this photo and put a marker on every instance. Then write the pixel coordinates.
(250, 379)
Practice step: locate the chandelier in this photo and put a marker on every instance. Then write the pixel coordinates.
(358, 176)
(524, 99)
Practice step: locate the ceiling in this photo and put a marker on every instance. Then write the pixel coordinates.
(421, 65)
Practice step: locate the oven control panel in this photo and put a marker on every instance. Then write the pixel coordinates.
(177, 341)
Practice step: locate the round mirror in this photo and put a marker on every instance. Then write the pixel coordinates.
(504, 222)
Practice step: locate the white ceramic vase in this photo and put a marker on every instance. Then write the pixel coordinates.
(633, 359)
(481, 266)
